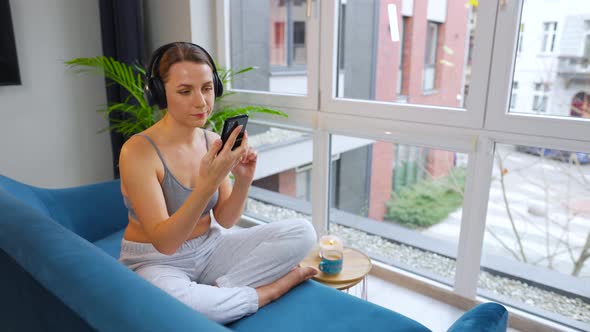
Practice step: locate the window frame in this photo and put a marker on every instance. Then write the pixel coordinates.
(272, 99)
(475, 131)
(473, 118)
(501, 77)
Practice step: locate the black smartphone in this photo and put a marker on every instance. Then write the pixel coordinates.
(228, 127)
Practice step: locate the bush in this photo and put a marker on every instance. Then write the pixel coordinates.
(427, 202)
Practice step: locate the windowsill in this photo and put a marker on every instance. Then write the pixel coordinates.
(289, 73)
(429, 92)
(402, 99)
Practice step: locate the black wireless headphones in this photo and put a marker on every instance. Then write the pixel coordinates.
(154, 90)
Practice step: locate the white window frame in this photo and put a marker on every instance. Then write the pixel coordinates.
(501, 76)
(472, 118)
(474, 132)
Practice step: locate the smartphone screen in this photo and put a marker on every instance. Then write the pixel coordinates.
(229, 125)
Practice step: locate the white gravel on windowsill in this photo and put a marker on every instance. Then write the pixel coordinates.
(273, 136)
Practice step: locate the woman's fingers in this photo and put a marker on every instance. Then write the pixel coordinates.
(245, 139)
(250, 156)
(232, 138)
(214, 149)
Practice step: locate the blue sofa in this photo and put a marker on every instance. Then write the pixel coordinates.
(58, 261)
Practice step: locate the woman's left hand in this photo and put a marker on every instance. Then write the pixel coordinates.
(246, 165)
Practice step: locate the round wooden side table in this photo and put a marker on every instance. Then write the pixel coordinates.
(355, 268)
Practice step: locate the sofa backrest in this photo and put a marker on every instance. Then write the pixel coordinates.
(24, 193)
(91, 211)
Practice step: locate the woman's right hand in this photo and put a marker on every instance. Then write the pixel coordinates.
(216, 165)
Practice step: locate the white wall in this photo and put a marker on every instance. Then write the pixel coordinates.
(48, 124)
(166, 21)
(203, 23)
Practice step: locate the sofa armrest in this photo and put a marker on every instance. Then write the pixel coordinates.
(485, 317)
(91, 211)
(100, 290)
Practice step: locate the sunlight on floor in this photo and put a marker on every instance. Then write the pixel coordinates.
(435, 315)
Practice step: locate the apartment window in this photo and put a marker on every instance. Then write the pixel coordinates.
(299, 50)
(402, 44)
(402, 189)
(303, 182)
(514, 95)
(292, 51)
(540, 97)
(430, 56)
(549, 33)
(587, 40)
(276, 46)
(520, 38)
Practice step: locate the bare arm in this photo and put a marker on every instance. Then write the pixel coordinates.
(138, 174)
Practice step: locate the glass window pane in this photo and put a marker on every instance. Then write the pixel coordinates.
(555, 60)
(269, 36)
(400, 204)
(537, 239)
(282, 186)
(430, 64)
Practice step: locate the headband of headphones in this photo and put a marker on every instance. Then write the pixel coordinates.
(154, 91)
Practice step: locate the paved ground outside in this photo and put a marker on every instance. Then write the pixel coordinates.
(549, 201)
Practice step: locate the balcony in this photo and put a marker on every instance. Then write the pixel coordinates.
(574, 68)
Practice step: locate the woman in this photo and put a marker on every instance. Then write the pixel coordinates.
(174, 174)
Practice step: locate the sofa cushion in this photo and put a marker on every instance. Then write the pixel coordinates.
(307, 305)
(488, 317)
(312, 304)
(111, 244)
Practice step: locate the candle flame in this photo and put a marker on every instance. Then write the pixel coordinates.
(331, 242)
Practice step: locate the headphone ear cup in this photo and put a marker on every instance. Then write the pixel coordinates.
(159, 92)
(148, 93)
(218, 85)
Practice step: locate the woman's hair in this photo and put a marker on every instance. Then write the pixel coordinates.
(178, 53)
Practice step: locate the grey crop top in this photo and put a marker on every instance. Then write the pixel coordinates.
(174, 192)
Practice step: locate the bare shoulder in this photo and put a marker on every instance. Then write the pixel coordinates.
(137, 158)
(211, 135)
(136, 149)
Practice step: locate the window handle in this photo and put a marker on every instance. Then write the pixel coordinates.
(308, 8)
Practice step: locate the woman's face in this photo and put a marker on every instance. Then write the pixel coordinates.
(189, 92)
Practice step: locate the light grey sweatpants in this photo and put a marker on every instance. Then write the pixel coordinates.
(236, 260)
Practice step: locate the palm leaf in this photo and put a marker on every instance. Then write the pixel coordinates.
(140, 115)
(112, 69)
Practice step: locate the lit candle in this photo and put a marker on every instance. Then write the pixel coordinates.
(331, 242)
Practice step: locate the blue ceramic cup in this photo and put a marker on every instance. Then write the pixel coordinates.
(331, 262)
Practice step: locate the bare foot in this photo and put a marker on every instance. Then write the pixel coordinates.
(273, 291)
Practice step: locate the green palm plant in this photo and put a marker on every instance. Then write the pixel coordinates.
(140, 115)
